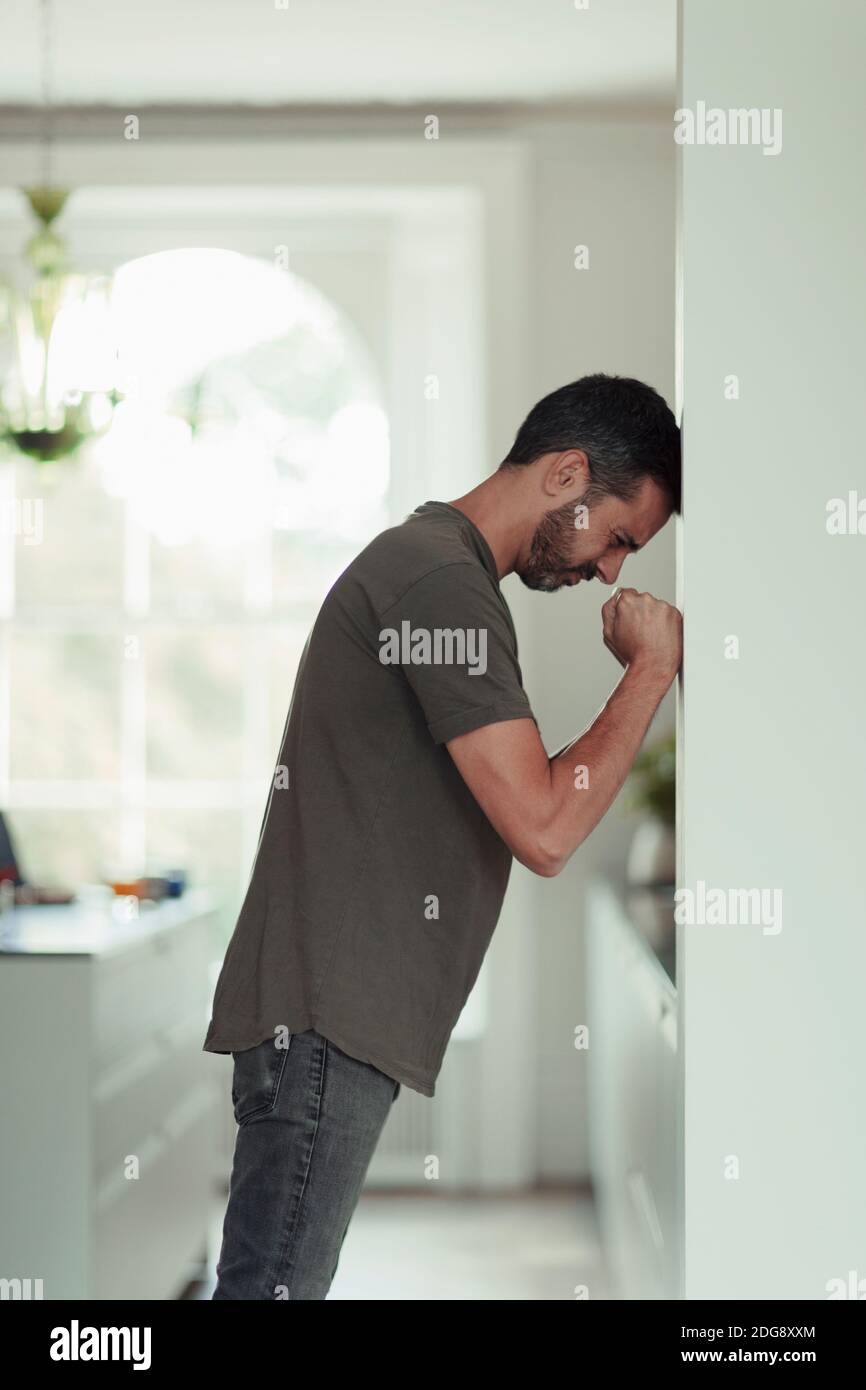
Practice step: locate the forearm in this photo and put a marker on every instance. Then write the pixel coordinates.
(585, 777)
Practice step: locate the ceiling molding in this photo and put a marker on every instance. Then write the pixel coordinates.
(214, 122)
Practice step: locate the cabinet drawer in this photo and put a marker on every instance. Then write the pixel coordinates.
(146, 989)
(145, 1239)
(633, 1097)
(139, 1096)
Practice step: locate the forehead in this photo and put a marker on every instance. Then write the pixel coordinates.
(645, 513)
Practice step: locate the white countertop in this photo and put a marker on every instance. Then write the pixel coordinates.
(95, 928)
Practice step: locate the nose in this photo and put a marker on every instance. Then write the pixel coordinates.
(607, 570)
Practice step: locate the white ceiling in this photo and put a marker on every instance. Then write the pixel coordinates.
(125, 52)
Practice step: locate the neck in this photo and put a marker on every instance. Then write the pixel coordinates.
(494, 508)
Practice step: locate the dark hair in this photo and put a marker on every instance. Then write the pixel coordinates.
(627, 431)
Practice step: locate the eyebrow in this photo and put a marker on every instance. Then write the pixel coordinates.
(629, 539)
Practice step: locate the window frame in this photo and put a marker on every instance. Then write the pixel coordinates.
(428, 241)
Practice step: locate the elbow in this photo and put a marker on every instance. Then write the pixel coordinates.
(541, 843)
(548, 868)
(543, 859)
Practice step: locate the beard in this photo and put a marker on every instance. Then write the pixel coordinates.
(550, 552)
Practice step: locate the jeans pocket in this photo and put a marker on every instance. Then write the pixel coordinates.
(256, 1078)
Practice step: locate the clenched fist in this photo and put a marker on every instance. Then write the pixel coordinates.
(640, 629)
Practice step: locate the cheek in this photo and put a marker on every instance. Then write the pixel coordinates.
(585, 545)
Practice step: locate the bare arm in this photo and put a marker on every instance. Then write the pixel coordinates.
(542, 807)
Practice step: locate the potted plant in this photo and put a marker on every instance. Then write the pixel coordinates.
(651, 788)
(651, 864)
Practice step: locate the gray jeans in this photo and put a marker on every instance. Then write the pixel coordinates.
(309, 1118)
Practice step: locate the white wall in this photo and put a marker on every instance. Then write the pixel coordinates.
(773, 743)
(609, 185)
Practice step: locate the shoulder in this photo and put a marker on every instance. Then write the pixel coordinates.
(423, 553)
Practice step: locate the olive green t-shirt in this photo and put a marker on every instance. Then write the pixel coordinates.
(378, 880)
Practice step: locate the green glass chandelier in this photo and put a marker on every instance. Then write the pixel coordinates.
(57, 364)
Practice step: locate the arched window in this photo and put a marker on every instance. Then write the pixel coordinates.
(183, 558)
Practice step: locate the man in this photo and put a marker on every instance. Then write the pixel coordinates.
(411, 772)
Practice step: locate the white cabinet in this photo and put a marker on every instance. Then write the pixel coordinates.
(632, 1018)
(109, 1105)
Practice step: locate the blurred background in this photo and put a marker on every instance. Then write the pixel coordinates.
(272, 276)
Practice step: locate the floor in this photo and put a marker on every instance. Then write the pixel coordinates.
(405, 1247)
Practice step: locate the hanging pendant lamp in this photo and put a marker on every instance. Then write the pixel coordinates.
(57, 362)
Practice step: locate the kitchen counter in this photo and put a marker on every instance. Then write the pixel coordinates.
(95, 928)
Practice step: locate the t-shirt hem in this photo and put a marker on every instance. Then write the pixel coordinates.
(414, 1080)
(224, 1042)
(467, 720)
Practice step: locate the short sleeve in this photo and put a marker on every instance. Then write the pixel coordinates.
(450, 634)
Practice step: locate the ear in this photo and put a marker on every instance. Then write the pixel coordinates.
(566, 474)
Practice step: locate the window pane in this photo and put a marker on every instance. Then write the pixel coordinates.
(194, 703)
(65, 706)
(209, 846)
(195, 576)
(79, 558)
(65, 848)
(306, 567)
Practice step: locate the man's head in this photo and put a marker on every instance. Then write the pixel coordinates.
(598, 462)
